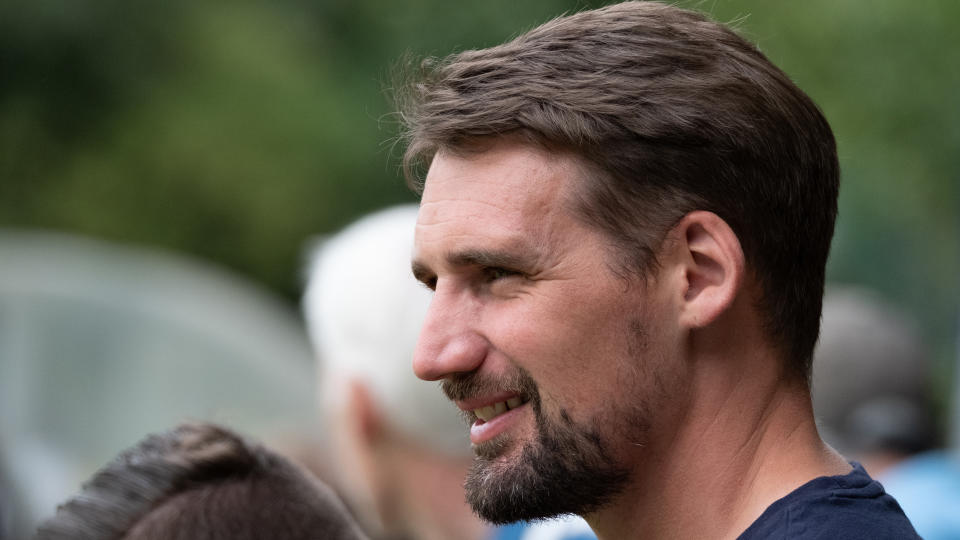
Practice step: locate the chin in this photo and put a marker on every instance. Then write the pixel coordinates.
(565, 469)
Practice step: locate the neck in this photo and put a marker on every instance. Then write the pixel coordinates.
(743, 442)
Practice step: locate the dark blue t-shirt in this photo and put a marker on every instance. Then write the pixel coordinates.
(853, 506)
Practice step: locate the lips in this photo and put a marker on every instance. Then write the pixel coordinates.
(492, 415)
(491, 405)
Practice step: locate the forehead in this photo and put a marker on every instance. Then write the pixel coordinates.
(506, 191)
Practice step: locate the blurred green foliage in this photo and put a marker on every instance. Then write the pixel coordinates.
(235, 131)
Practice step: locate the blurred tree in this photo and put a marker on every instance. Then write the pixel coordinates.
(237, 130)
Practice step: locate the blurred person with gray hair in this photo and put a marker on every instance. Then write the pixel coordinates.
(399, 449)
(201, 482)
(872, 400)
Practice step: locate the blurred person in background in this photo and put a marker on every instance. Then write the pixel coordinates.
(874, 403)
(203, 482)
(399, 453)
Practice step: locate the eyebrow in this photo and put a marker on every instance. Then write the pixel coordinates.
(518, 259)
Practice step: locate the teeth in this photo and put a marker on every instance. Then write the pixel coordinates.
(485, 413)
(491, 411)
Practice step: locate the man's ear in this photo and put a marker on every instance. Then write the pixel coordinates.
(712, 265)
(365, 417)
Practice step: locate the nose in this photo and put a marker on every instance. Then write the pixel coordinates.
(449, 342)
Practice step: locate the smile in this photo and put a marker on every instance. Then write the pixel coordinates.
(492, 411)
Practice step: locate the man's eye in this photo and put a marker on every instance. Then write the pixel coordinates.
(494, 273)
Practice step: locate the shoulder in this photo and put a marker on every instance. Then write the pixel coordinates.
(851, 506)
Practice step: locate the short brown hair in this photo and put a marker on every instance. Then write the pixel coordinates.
(669, 112)
(200, 481)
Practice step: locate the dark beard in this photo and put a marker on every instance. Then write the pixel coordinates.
(566, 470)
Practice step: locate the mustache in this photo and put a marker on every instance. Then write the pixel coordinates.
(462, 386)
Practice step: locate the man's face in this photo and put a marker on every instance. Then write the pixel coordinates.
(556, 361)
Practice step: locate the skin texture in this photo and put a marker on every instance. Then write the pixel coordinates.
(670, 374)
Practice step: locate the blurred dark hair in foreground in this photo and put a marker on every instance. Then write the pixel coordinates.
(200, 481)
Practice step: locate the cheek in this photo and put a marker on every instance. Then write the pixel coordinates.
(527, 334)
(577, 349)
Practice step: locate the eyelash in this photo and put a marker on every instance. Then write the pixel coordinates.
(495, 273)
(491, 274)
